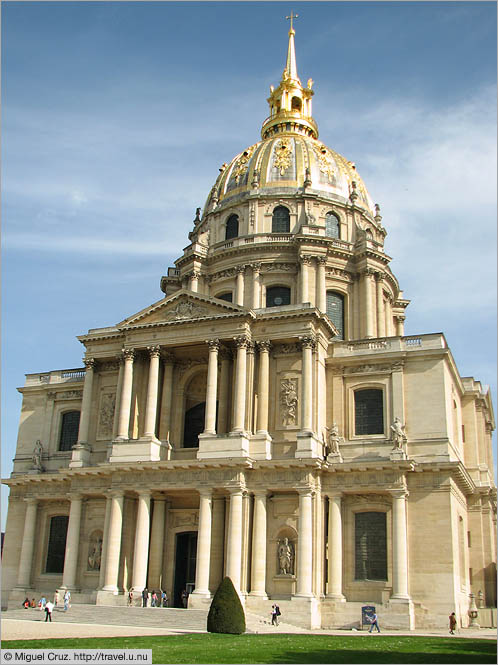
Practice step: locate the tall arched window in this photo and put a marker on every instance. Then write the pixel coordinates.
(368, 411)
(335, 311)
(277, 296)
(370, 536)
(332, 228)
(69, 430)
(232, 229)
(280, 220)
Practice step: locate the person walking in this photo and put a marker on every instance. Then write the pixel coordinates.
(164, 598)
(275, 613)
(130, 598)
(453, 623)
(153, 599)
(145, 597)
(184, 598)
(49, 606)
(56, 598)
(374, 623)
(67, 598)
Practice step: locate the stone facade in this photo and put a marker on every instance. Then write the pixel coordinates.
(221, 432)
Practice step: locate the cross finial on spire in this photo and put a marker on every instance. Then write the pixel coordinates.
(292, 16)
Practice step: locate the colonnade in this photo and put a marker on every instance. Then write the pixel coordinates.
(217, 389)
(372, 308)
(148, 549)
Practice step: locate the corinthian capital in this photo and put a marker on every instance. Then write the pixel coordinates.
(240, 270)
(89, 363)
(214, 344)
(154, 351)
(308, 341)
(241, 341)
(264, 346)
(305, 259)
(129, 354)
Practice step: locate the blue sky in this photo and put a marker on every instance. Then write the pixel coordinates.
(117, 116)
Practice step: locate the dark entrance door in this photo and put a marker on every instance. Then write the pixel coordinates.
(194, 425)
(186, 553)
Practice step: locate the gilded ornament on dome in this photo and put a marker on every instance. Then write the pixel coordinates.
(326, 162)
(242, 164)
(282, 157)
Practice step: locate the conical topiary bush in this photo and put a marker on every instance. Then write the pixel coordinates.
(226, 614)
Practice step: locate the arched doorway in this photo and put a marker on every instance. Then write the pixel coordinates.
(185, 563)
(195, 409)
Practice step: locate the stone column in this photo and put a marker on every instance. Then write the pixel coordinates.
(234, 546)
(212, 387)
(239, 285)
(223, 424)
(263, 386)
(305, 544)
(125, 402)
(400, 325)
(307, 345)
(305, 262)
(381, 317)
(113, 546)
(388, 316)
(141, 552)
(119, 390)
(86, 403)
(165, 426)
(72, 543)
(28, 544)
(105, 534)
(335, 548)
(258, 564)
(152, 390)
(367, 300)
(204, 544)
(400, 558)
(321, 295)
(157, 542)
(356, 307)
(239, 409)
(256, 288)
(193, 282)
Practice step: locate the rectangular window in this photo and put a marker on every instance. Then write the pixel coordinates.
(370, 546)
(369, 412)
(57, 544)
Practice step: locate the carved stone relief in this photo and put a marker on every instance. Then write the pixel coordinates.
(106, 415)
(288, 401)
(95, 551)
(185, 310)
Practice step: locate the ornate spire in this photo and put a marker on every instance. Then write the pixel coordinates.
(290, 66)
(290, 103)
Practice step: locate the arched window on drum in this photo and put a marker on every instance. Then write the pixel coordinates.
(276, 296)
(280, 220)
(335, 311)
(232, 228)
(332, 226)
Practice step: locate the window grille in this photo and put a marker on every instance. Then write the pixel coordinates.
(332, 229)
(57, 544)
(369, 412)
(277, 296)
(69, 430)
(232, 229)
(280, 220)
(370, 546)
(335, 311)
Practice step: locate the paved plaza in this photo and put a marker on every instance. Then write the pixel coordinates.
(98, 621)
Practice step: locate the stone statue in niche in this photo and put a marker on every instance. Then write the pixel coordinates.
(332, 449)
(285, 552)
(95, 552)
(288, 401)
(37, 456)
(398, 434)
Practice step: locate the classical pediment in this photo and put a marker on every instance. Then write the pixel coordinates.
(183, 306)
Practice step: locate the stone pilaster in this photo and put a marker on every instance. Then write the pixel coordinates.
(212, 387)
(157, 543)
(125, 401)
(234, 546)
(304, 281)
(307, 345)
(223, 410)
(204, 544)
(119, 390)
(141, 552)
(152, 391)
(239, 285)
(105, 535)
(113, 545)
(86, 402)
(28, 544)
(334, 590)
(321, 290)
(400, 550)
(256, 287)
(165, 426)
(239, 409)
(258, 567)
(305, 544)
(400, 325)
(193, 282)
(381, 317)
(369, 330)
(263, 386)
(72, 543)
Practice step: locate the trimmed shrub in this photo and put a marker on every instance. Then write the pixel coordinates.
(226, 614)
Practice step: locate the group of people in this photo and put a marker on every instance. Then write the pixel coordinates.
(157, 598)
(47, 606)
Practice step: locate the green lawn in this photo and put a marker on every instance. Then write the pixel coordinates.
(209, 648)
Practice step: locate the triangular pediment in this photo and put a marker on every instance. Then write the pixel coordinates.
(183, 306)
